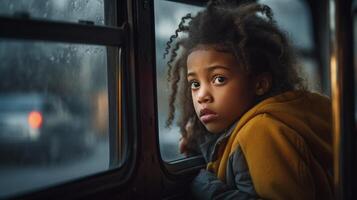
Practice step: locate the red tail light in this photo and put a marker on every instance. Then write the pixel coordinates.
(35, 119)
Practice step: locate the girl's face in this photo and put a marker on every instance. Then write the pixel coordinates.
(221, 91)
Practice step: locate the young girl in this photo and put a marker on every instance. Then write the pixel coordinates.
(262, 134)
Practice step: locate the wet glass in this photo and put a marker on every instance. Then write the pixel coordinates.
(53, 114)
(59, 10)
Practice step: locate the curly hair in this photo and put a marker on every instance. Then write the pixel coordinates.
(249, 32)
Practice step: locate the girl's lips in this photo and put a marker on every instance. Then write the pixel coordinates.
(207, 115)
(208, 118)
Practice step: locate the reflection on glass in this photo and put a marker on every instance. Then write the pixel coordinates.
(53, 114)
(62, 10)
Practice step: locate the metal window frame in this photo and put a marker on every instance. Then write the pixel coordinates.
(60, 31)
(120, 79)
(342, 85)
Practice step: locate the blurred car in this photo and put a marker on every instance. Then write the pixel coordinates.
(41, 126)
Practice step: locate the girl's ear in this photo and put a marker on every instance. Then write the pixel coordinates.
(263, 83)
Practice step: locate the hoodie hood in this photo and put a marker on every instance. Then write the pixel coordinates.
(287, 143)
(309, 114)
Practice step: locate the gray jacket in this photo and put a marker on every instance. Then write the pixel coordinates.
(238, 183)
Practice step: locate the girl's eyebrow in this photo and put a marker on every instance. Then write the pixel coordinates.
(214, 67)
(210, 69)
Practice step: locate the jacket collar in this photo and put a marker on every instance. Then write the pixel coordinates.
(212, 142)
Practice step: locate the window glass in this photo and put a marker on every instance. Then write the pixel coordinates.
(300, 33)
(62, 10)
(167, 17)
(286, 12)
(53, 114)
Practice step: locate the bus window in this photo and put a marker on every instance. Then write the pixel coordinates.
(58, 98)
(54, 113)
(167, 17)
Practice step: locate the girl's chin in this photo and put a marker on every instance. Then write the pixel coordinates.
(213, 129)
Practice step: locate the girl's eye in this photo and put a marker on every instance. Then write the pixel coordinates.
(219, 80)
(195, 84)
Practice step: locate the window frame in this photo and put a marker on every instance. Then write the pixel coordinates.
(36, 29)
(343, 104)
(114, 37)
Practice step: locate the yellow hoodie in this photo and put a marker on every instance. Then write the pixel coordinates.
(286, 141)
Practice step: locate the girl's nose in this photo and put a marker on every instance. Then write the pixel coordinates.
(204, 96)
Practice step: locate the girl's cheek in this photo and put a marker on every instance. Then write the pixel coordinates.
(193, 97)
(194, 102)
